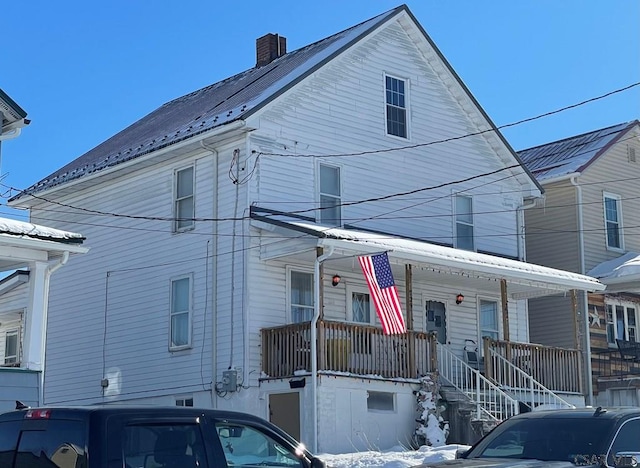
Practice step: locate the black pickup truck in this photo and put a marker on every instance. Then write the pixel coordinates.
(144, 437)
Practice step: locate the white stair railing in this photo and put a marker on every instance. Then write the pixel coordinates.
(521, 386)
(491, 402)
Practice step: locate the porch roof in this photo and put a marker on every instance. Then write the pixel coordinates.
(524, 279)
(621, 274)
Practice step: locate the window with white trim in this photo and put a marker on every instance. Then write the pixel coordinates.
(301, 296)
(622, 322)
(464, 222)
(181, 312)
(184, 205)
(613, 221)
(381, 401)
(330, 195)
(11, 346)
(187, 401)
(396, 106)
(489, 319)
(360, 306)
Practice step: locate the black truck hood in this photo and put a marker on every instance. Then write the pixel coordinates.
(499, 463)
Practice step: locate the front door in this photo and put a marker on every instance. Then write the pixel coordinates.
(436, 319)
(284, 412)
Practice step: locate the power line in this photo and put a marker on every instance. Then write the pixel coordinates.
(460, 137)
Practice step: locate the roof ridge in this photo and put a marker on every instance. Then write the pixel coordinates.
(578, 136)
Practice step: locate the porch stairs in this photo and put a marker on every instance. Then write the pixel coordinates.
(491, 401)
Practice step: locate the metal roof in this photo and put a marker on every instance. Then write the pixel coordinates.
(573, 154)
(231, 99)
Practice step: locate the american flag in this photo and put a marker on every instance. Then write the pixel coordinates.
(377, 272)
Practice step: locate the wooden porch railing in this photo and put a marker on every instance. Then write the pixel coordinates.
(608, 363)
(347, 347)
(557, 369)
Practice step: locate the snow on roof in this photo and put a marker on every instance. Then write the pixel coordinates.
(13, 228)
(572, 154)
(424, 252)
(624, 268)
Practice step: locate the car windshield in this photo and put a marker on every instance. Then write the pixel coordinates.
(577, 440)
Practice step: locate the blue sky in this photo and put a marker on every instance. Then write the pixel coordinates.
(84, 70)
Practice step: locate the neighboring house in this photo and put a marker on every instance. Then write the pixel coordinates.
(589, 223)
(226, 227)
(29, 254)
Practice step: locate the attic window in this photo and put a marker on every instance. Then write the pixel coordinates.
(396, 102)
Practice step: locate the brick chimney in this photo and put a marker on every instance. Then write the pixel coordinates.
(269, 47)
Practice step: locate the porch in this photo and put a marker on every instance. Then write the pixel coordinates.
(346, 347)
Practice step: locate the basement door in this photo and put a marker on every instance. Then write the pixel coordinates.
(284, 412)
(436, 319)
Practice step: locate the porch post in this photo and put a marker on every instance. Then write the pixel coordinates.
(505, 309)
(408, 284)
(36, 317)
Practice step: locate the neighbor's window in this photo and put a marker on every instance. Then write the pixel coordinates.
(180, 334)
(613, 220)
(301, 296)
(184, 209)
(11, 347)
(464, 222)
(622, 320)
(330, 211)
(396, 107)
(184, 401)
(489, 319)
(380, 401)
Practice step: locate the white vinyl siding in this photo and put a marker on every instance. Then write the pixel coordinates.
(464, 222)
(613, 221)
(330, 200)
(184, 203)
(180, 317)
(301, 296)
(396, 107)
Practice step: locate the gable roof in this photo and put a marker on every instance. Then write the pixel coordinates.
(233, 99)
(223, 102)
(574, 154)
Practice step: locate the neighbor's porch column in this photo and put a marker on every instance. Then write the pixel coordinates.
(35, 327)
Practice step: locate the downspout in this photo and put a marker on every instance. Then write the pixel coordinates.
(522, 247)
(50, 271)
(314, 345)
(214, 277)
(585, 299)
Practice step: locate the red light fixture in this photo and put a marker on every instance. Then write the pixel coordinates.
(459, 299)
(335, 280)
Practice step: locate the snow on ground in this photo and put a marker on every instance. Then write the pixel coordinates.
(395, 458)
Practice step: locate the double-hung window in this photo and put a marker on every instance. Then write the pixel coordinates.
(622, 322)
(330, 199)
(396, 103)
(181, 312)
(613, 221)
(11, 347)
(184, 206)
(361, 307)
(464, 222)
(301, 298)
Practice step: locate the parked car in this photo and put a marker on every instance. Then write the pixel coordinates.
(144, 437)
(604, 437)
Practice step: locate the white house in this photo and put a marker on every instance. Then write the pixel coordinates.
(29, 255)
(219, 221)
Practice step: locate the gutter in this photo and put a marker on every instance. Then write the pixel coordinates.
(585, 298)
(314, 345)
(51, 269)
(214, 278)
